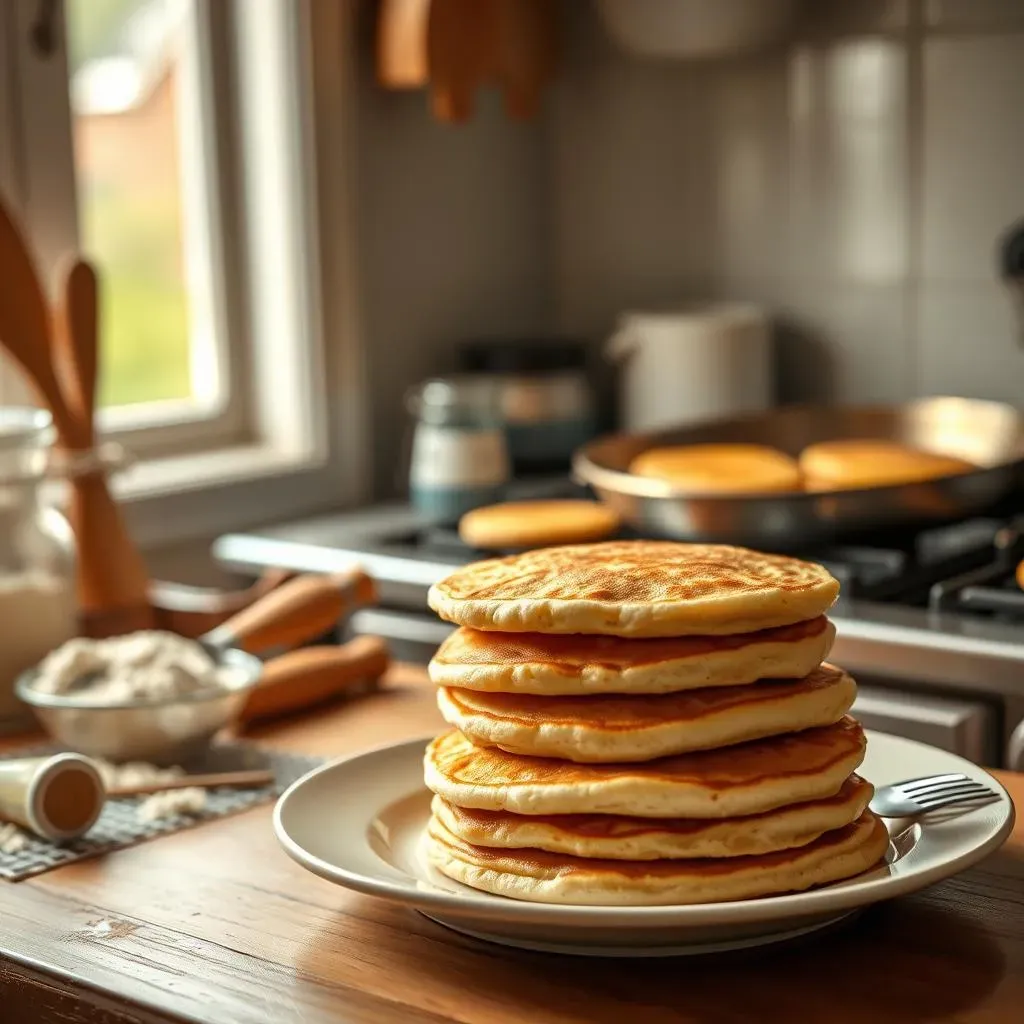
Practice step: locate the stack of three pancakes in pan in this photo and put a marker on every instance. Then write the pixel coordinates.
(641, 723)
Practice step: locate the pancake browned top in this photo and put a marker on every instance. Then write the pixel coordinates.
(851, 463)
(804, 753)
(635, 712)
(571, 654)
(725, 468)
(636, 588)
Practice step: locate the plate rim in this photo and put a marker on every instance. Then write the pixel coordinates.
(825, 900)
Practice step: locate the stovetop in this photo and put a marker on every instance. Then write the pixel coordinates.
(939, 605)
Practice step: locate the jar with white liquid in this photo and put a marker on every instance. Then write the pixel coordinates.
(38, 611)
(459, 452)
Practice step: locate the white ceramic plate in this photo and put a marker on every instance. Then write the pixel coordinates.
(360, 822)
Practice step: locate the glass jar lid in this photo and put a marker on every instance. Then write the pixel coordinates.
(26, 435)
(463, 399)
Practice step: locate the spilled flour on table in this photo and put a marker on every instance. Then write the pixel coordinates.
(191, 800)
(12, 838)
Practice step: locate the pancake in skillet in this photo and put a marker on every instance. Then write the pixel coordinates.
(635, 589)
(727, 783)
(542, 877)
(642, 727)
(854, 464)
(550, 664)
(720, 468)
(617, 837)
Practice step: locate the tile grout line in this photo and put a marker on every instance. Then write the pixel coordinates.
(914, 180)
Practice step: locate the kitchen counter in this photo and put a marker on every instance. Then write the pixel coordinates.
(217, 926)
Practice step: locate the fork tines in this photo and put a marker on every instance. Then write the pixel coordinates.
(962, 791)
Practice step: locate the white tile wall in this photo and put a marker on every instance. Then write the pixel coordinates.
(454, 240)
(856, 181)
(973, 152)
(969, 342)
(973, 14)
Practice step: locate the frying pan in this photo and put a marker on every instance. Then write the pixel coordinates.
(988, 434)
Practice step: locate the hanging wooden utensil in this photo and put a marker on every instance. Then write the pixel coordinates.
(525, 53)
(402, 43)
(460, 52)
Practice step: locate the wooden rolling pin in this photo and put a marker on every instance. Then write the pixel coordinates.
(309, 676)
(294, 613)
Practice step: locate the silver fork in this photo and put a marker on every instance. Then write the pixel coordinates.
(930, 793)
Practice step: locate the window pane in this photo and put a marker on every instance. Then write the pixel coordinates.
(126, 62)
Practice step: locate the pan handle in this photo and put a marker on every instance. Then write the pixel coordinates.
(295, 612)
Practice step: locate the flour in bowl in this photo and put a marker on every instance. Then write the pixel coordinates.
(150, 665)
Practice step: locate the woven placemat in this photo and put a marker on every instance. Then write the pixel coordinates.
(119, 825)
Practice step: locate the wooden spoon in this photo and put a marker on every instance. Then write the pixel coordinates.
(25, 327)
(75, 344)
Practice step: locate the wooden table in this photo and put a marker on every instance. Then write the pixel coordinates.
(216, 925)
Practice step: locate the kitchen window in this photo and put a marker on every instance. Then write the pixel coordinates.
(180, 145)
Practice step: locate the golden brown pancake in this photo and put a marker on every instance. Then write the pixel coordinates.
(635, 589)
(572, 664)
(852, 464)
(720, 468)
(542, 877)
(641, 727)
(727, 783)
(617, 837)
(534, 524)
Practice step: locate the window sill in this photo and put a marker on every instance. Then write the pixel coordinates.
(173, 499)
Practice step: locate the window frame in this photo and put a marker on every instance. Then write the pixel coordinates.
(294, 441)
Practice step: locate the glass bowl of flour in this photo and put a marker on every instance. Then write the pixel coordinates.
(147, 696)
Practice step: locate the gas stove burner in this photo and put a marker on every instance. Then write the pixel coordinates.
(937, 568)
(990, 588)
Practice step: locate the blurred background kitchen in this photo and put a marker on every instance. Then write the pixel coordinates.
(363, 266)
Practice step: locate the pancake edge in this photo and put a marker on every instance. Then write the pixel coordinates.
(786, 827)
(767, 659)
(649, 798)
(575, 884)
(586, 743)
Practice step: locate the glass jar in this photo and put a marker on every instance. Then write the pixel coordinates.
(37, 584)
(459, 453)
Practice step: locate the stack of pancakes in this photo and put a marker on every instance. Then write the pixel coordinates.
(645, 723)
